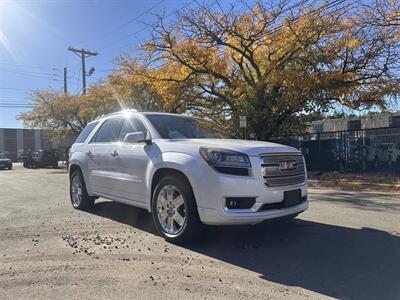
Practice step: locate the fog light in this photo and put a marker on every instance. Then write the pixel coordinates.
(239, 202)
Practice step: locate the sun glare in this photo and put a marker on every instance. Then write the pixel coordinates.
(4, 41)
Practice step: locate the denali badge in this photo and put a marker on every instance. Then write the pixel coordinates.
(287, 165)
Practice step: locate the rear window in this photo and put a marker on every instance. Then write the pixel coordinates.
(85, 132)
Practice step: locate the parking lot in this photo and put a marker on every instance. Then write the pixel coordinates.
(347, 246)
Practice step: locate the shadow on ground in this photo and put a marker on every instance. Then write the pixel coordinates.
(336, 261)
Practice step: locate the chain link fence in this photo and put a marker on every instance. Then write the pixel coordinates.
(366, 150)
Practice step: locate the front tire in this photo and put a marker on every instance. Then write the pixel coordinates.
(174, 210)
(78, 193)
(10, 167)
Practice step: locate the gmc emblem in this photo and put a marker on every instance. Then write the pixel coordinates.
(287, 165)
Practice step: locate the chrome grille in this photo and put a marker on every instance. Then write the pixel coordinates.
(283, 169)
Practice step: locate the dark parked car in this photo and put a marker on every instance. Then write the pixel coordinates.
(41, 158)
(5, 163)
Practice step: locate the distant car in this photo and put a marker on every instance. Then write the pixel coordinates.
(5, 163)
(41, 159)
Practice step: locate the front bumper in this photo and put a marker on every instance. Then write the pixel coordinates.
(212, 189)
(215, 217)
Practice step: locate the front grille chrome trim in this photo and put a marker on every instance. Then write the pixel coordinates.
(274, 177)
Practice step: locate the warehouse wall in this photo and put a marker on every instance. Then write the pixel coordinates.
(15, 141)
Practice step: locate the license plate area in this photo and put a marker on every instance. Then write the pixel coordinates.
(291, 198)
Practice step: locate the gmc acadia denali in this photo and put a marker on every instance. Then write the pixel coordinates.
(185, 171)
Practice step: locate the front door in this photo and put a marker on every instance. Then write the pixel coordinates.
(132, 162)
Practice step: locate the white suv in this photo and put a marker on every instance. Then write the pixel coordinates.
(185, 171)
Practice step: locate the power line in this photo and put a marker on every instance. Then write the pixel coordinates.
(19, 99)
(78, 90)
(13, 89)
(82, 53)
(28, 72)
(112, 44)
(324, 7)
(135, 18)
(28, 66)
(16, 106)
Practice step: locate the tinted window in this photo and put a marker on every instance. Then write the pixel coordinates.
(180, 127)
(85, 132)
(132, 125)
(108, 132)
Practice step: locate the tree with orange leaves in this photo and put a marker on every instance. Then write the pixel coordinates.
(271, 62)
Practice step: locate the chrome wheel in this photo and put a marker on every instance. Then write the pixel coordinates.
(76, 191)
(171, 210)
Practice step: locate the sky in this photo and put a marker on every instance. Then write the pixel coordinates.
(35, 36)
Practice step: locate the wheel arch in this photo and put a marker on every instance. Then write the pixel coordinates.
(74, 167)
(167, 171)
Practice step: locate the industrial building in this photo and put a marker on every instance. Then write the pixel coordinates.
(14, 141)
(372, 121)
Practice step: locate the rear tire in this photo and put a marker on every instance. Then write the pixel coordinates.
(174, 210)
(78, 193)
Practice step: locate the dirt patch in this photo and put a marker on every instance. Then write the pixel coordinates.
(368, 181)
(91, 244)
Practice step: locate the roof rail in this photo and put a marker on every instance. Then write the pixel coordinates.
(118, 112)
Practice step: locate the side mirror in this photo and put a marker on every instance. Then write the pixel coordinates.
(136, 137)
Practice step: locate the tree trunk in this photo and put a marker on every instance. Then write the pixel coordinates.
(262, 131)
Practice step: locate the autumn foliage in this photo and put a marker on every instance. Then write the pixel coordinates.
(274, 62)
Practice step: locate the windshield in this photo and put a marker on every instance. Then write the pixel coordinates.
(2, 155)
(183, 127)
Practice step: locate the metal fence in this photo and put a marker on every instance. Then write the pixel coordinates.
(366, 150)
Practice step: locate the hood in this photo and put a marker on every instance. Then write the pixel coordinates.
(5, 159)
(251, 148)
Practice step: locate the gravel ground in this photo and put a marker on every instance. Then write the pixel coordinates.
(347, 246)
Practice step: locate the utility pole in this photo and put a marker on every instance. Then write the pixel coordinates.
(65, 81)
(82, 53)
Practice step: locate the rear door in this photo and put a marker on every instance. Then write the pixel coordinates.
(101, 152)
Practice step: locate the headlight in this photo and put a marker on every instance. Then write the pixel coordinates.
(227, 161)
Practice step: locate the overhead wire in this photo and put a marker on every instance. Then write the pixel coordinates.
(135, 33)
(29, 66)
(327, 6)
(136, 17)
(32, 75)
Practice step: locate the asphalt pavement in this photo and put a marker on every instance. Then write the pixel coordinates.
(347, 246)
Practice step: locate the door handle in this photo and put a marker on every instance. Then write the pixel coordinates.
(89, 153)
(114, 154)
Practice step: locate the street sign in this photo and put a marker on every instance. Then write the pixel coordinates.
(242, 121)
